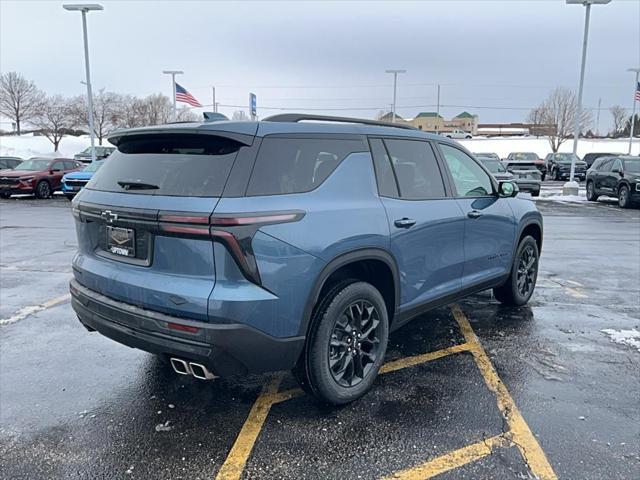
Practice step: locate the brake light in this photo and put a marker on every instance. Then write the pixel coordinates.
(234, 231)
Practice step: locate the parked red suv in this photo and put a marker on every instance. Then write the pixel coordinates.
(39, 176)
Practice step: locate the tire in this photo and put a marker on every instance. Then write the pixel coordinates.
(591, 192)
(329, 368)
(511, 291)
(468, 136)
(535, 193)
(5, 195)
(556, 174)
(544, 175)
(623, 197)
(43, 189)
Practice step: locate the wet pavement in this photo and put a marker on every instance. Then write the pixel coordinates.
(76, 405)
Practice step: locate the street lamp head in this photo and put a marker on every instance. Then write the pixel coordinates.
(633, 70)
(175, 72)
(587, 2)
(395, 71)
(82, 7)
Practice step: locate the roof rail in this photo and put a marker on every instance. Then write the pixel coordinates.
(297, 117)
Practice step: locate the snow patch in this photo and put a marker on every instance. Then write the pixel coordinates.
(630, 338)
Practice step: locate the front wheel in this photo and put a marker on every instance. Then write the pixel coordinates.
(346, 344)
(5, 195)
(591, 192)
(43, 189)
(518, 288)
(623, 197)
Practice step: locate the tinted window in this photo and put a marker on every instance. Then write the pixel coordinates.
(178, 165)
(387, 186)
(617, 164)
(68, 165)
(57, 166)
(606, 164)
(416, 169)
(296, 165)
(469, 178)
(632, 166)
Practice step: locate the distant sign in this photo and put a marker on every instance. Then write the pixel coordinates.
(252, 104)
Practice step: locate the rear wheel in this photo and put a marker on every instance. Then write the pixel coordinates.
(43, 189)
(591, 192)
(346, 344)
(623, 197)
(5, 195)
(556, 174)
(519, 287)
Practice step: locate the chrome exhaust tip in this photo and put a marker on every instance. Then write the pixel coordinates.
(200, 371)
(180, 366)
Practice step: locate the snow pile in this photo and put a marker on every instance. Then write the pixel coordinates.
(505, 145)
(630, 338)
(27, 146)
(562, 198)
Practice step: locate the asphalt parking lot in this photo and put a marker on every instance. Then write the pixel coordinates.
(474, 390)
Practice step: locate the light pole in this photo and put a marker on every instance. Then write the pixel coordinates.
(84, 8)
(571, 187)
(173, 74)
(636, 90)
(395, 85)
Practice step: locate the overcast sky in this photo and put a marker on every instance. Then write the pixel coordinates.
(506, 55)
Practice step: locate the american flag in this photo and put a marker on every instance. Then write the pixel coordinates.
(183, 96)
(637, 97)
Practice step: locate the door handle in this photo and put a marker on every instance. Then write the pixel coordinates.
(474, 214)
(405, 223)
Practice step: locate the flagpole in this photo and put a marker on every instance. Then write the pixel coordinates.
(173, 74)
(636, 92)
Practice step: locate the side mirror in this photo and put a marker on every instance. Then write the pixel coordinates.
(508, 189)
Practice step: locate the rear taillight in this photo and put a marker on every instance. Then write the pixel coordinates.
(234, 231)
(182, 328)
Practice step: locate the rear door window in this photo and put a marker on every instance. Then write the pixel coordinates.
(416, 169)
(172, 164)
(387, 186)
(295, 165)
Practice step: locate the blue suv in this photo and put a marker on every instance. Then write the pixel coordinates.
(237, 247)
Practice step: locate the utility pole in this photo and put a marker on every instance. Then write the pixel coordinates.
(636, 95)
(438, 106)
(395, 87)
(598, 118)
(84, 8)
(173, 74)
(213, 91)
(571, 187)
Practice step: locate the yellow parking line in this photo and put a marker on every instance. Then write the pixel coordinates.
(387, 368)
(425, 357)
(575, 293)
(239, 454)
(451, 460)
(520, 433)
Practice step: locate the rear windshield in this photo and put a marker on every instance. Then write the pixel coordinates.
(174, 165)
(494, 166)
(523, 156)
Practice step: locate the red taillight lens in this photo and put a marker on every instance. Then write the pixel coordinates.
(182, 328)
(234, 231)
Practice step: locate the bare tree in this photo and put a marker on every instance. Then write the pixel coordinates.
(557, 113)
(157, 109)
(54, 119)
(535, 118)
(619, 117)
(239, 115)
(106, 112)
(20, 99)
(185, 114)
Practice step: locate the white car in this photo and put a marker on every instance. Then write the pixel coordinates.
(456, 134)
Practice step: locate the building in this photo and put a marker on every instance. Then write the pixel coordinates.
(434, 122)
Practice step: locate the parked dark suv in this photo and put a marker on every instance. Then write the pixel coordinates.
(236, 247)
(615, 177)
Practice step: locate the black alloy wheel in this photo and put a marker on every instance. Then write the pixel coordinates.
(43, 189)
(527, 271)
(354, 345)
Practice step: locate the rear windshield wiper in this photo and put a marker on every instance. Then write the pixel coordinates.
(137, 185)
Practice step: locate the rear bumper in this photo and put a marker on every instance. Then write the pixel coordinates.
(226, 349)
(528, 185)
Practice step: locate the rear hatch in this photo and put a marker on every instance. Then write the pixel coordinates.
(142, 220)
(524, 171)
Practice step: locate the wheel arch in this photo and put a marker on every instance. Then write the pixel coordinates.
(532, 228)
(358, 263)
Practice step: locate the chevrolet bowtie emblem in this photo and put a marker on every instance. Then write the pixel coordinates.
(109, 216)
